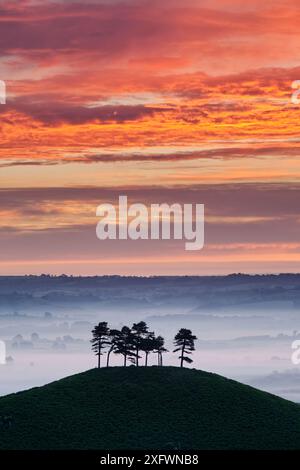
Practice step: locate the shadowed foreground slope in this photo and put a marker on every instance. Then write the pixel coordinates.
(161, 408)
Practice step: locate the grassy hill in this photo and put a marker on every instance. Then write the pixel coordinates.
(148, 408)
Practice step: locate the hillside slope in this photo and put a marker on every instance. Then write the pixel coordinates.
(148, 408)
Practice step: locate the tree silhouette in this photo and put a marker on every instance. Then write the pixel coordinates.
(184, 342)
(139, 331)
(130, 342)
(114, 336)
(125, 344)
(100, 339)
(147, 345)
(159, 349)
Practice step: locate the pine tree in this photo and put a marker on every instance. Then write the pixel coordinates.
(184, 342)
(125, 344)
(100, 339)
(159, 349)
(140, 332)
(114, 336)
(147, 345)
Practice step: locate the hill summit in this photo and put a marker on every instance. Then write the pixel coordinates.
(147, 408)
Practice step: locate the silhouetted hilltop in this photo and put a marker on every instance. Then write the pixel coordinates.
(147, 408)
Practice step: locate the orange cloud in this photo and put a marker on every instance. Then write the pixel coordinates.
(143, 94)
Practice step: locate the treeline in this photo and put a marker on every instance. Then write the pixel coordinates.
(137, 342)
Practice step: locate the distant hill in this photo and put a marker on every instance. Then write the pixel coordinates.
(147, 408)
(196, 294)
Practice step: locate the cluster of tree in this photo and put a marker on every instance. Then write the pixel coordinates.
(132, 342)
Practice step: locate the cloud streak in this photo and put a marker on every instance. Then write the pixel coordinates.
(164, 101)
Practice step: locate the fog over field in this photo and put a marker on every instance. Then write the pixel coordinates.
(245, 324)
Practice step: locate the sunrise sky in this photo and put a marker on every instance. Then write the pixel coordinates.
(164, 101)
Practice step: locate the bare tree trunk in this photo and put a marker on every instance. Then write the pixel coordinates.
(99, 355)
(125, 358)
(160, 359)
(146, 359)
(108, 356)
(182, 354)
